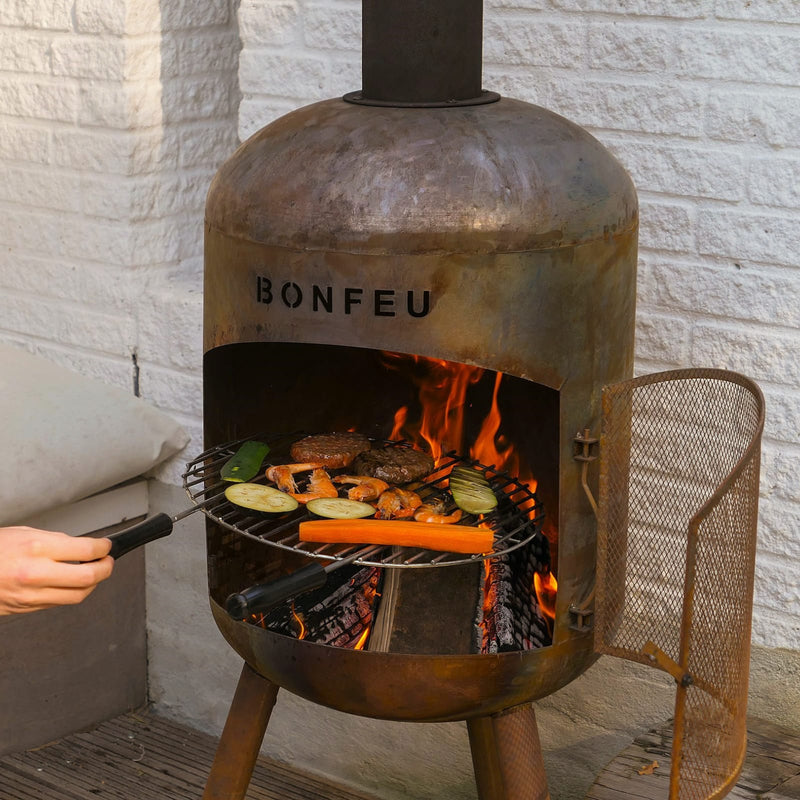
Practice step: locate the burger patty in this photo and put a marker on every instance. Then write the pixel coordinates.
(396, 465)
(332, 450)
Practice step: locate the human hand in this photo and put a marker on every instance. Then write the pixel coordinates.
(40, 569)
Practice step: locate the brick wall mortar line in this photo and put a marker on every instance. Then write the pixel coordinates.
(723, 323)
(744, 206)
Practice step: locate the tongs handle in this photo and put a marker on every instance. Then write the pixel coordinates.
(263, 596)
(148, 530)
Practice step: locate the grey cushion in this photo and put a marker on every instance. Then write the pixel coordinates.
(64, 437)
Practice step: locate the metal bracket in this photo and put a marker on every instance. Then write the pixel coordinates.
(685, 678)
(585, 441)
(581, 617)
(662, 660)
(583, 453)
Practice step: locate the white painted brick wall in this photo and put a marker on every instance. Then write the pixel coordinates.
(113, 118)
(700, 99)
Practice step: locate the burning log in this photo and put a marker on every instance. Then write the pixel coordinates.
(511, 616)
(339, 614)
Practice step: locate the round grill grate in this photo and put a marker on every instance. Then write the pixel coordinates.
(515, 521)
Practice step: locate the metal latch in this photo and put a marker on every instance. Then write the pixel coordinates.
(581, 616)
(583, 453)
(684, 678)
(659, 657)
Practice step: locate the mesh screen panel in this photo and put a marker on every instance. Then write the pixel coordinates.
(680, 454)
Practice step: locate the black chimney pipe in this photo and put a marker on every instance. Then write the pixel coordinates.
(422, 53)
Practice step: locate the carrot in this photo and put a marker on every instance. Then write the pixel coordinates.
(430, 535)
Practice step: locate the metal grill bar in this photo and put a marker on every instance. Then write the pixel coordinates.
(515, 522)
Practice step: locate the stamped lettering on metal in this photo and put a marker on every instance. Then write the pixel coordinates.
(348, 300)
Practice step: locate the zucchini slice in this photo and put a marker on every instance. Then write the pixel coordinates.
(469, 474)
(339, 508)
(471, 491)
(258, 497)
(245, 462)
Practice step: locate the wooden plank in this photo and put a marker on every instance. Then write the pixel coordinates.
(140, 756)
(17, 786)
(771, 770)
(789, 790)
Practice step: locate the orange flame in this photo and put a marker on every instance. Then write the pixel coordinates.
(400, 417)
(301, 626)
(546, 587)
(443, 387)
(362, 640)
(491, 447)
(442, 394)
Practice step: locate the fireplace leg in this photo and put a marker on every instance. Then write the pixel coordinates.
(241, 737)
(507, 756)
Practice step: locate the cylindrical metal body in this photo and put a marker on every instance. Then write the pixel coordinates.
(499, 235)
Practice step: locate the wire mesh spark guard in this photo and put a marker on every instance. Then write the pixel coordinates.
(679, 479)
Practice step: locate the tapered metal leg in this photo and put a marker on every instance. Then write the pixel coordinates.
(241, 737)
(507, 756)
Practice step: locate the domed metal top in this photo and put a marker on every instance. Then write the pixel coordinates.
(502, 177)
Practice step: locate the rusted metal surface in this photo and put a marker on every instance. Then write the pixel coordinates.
(338, 178)
(407, 687)
(676, 554)
(507, 756)
(241, 739)
(498, 235)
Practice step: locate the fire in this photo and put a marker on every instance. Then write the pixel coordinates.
(400, 417)
(299, 623)
(443, 387)
(491, 447)
(485, 447)
(546, 588)
(362, 640)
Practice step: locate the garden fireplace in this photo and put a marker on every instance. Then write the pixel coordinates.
(435, 221)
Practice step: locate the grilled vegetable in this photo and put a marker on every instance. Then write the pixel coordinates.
(245, 462)
(339, 508)
(432, 536)
(257, 497)
(472, 491)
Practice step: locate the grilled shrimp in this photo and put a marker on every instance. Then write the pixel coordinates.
(433, 512)
(397, 503)
(365, 488)
(319, 485)
(282, 475)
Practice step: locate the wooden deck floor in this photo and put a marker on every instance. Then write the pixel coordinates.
(144, 757)
(771, 769)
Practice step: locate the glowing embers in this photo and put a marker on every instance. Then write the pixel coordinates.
(511, 616)
(340, 614)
